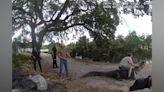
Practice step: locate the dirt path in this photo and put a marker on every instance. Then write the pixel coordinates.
(77, 69)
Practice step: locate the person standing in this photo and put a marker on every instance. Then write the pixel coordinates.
(36, 57)
(53, 53)
(63, 60)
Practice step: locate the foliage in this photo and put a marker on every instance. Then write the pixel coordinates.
(113, 51)
(18, 59)
(41, 18)
(44, 47)
(17, 44)
(50, 46)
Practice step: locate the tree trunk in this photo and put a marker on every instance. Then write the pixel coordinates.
(113, 58)
(34, 42)
(24, 49)
(39, 45)
(41, 36)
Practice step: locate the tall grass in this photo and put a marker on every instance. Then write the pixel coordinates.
(18, 59)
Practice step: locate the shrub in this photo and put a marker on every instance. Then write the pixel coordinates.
(18, 59)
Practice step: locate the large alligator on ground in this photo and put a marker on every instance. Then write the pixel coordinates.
(117, 74)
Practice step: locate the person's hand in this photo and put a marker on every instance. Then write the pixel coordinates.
(64, 59)
(137, 65)
(70, 58)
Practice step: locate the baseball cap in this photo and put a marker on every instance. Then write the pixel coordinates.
(62, 44)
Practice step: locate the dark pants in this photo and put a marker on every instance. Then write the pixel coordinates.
(54, 62)
(38, 63)
(140, 84)
(124, 68)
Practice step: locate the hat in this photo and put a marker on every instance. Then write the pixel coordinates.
(62, 44)
(129, 54)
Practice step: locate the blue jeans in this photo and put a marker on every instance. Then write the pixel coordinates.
(63, 62)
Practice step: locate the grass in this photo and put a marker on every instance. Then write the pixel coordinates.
(20, 58)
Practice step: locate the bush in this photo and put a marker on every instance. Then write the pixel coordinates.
(17, 60)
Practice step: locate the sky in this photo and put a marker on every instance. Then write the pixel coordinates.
(142, 25)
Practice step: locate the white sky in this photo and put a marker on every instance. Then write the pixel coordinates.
(140, 25)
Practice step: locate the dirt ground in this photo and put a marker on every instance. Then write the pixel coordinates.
(95, 84)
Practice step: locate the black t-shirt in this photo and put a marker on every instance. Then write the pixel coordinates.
(54, 50)
(36, 53)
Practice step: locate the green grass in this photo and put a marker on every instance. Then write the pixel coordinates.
(18, 59)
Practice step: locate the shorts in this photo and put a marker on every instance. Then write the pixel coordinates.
(124, 68)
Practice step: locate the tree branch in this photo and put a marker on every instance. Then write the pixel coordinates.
(53, 16)
(39, 11)
(56, 21)
(36, 10)
(73, 13)
(62, 10)
(65, 28)
(21, 9)
(26, 21)
(92, 30)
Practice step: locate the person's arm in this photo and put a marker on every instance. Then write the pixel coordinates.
(33, 55)
(150, 82)
(131, 63)
(134, 65)
(68, 55)
(52, 52)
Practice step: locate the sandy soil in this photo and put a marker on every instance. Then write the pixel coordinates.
(77, 69)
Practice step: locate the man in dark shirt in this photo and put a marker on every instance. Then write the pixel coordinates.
(54, 50)
(36, 57)
(141, 83)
